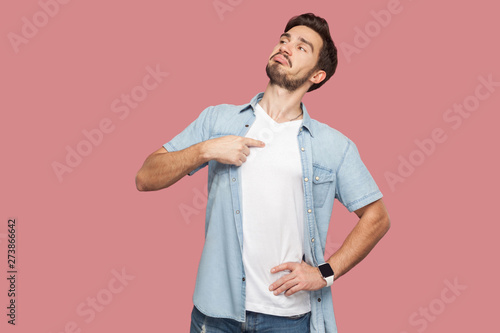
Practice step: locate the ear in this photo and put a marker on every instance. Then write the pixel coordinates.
(318, 77)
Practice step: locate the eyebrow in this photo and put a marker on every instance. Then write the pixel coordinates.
(286, 34)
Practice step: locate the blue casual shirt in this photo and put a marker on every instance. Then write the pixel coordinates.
(331, 168)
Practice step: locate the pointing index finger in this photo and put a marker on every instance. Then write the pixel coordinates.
(254, 143)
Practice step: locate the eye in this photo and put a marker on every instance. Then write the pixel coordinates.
(303, 49)
(282, 41)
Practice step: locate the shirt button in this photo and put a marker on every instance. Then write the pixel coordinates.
(237, 212)
(243, 279)
(306, 179)
(234, 179)
(312, 240)
(309, 210)
(317, 178)
(319, 299)
(302, 149)
(301, 129)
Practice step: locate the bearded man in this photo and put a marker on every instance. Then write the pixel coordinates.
(273, 175)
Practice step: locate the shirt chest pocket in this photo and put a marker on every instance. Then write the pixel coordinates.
(323, 183)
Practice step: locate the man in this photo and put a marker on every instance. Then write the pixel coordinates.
(273, 175)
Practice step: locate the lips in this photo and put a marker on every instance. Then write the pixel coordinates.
(281, 59)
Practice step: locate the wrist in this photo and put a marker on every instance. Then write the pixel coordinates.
(325, 283)
(326, 273)
(204, 152)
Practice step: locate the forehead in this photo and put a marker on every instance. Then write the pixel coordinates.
(308, 34)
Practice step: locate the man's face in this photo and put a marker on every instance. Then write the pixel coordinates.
(294, 59)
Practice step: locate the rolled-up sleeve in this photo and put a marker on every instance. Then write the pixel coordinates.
(196, 132)
(355, 187)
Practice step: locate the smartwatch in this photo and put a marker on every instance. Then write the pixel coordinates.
(327, 273)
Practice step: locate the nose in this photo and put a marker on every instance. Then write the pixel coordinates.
(284, 49)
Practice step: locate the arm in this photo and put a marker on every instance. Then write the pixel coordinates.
(374, 222)
(162, 168)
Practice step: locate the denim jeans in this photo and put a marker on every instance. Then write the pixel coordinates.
(255, 323)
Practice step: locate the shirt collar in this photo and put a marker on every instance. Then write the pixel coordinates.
(306, 119)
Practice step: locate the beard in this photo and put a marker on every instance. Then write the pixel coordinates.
(282, 79)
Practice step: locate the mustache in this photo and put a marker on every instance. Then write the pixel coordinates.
(284, 56)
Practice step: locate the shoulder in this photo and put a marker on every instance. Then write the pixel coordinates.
(329, 145)
(325, 133)
(228, 111)
(227, 119)
(225, 110)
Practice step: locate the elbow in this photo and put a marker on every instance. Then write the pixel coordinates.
(144, 183)
(386, 223)
(140, 183)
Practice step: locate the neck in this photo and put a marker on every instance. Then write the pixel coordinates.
(282, 105)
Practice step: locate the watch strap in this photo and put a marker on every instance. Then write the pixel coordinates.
(329, 281)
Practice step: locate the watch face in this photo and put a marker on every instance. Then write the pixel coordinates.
(326, 270)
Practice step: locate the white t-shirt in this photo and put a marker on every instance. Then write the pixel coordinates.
(272, 214)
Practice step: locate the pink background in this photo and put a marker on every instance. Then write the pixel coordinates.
(73, 233)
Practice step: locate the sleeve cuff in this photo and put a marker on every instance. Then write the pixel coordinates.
(367, 199)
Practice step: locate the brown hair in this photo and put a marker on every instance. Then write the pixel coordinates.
(327, 60)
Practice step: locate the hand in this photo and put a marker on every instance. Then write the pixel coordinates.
(301, 277)
(230, 149)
